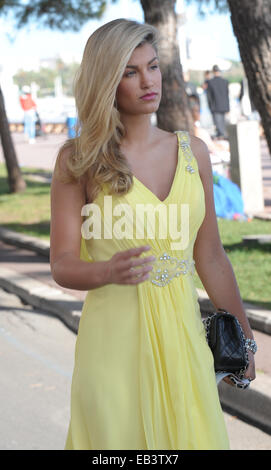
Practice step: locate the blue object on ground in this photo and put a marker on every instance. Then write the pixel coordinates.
(228, 197)
(71, 123)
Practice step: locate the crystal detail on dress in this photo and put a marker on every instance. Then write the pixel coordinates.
(190, 169)
(167, 267)
(184, 143)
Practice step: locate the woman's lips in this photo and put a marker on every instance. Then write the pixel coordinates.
(149, 96)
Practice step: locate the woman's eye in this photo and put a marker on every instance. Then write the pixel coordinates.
(130, 74)
(154, 66)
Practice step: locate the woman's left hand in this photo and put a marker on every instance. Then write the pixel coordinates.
(250, 372)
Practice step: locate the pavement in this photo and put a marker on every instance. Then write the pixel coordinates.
(25, 272)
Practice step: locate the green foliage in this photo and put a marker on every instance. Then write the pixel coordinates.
(210, 6)
(54, 14)
(251, 263)
(45, 78)
(234, 75)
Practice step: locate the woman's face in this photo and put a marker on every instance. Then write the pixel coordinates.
(139, 91)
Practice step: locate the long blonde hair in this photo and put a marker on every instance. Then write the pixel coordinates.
(95, 150)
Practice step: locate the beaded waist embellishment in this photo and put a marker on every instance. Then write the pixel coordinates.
(167, 267)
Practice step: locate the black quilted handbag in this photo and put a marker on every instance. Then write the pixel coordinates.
(226, 340)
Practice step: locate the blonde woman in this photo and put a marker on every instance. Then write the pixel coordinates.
(143, 374)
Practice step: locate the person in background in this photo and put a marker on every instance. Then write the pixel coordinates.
(218, 100)
(190, 87)
(219, 150)
(29, 107)
(207, 78)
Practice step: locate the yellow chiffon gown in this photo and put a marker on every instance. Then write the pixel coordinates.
(143, 374)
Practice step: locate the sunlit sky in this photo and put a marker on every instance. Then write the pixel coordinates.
(29, 44)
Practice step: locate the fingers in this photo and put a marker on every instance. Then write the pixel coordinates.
(131, 264)
(137, 280)
(250, 373)
(127, 270)
(136, 273)
(228, 381)
(126, 254)
(137, 270)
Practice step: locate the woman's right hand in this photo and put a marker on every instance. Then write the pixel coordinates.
(122, 268)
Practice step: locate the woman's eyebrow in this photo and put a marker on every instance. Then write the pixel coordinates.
(136, 67)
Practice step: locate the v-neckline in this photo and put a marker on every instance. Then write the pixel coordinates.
(174, 179)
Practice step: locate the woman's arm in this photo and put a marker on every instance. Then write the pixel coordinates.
(68, 270)
(67, 200)
(211, 262)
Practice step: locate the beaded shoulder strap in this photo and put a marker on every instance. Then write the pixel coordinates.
(184, 143)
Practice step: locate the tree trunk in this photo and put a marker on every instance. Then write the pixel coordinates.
(15, 179)
(174, 113)
(251, 23)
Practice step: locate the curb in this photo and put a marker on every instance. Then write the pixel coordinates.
(253, 404)
(25, 241)
(263, 216)
(259, 318)
(40, 295)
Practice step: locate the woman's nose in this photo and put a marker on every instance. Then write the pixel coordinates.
(146, 80)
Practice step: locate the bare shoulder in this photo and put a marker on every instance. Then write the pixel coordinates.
(64, 154)
(62, 174)
(201, 153)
